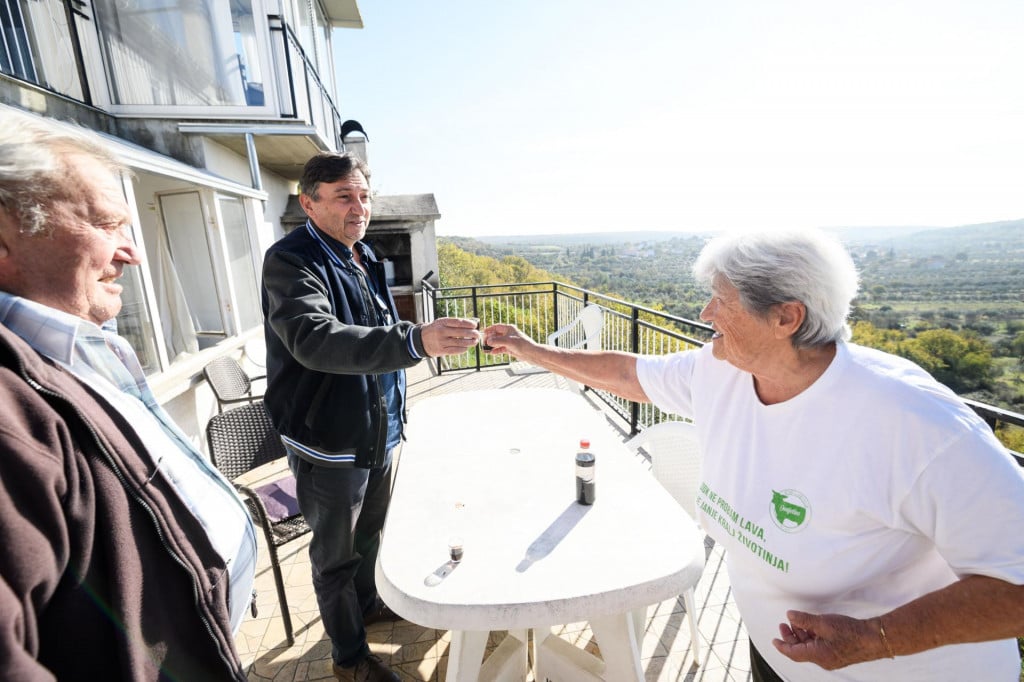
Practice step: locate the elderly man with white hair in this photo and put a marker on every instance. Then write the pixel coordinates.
(126, 555)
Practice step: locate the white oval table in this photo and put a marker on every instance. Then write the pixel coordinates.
(496, 468)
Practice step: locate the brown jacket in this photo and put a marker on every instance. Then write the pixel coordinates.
(104, 574)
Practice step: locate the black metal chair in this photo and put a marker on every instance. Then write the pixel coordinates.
(229, 382)
(241, 440)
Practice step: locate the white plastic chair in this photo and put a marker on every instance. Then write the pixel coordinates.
(585, 328)
(591, 319)
(675, 463)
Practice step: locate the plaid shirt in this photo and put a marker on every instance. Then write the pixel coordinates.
(108, 364)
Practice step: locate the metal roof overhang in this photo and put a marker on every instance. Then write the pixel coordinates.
(140, 158)
(343, 13)
(283, 149)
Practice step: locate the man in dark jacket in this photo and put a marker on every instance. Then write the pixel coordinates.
(126, 556)
(336, 355)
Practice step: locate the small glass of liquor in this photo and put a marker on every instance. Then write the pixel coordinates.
(483, 346)
(455, 548)
(455, 542)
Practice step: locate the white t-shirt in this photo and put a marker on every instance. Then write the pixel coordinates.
(872, 487)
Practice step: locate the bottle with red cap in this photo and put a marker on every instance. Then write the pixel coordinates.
(585, 492)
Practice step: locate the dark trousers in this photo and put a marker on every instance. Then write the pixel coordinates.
(759, 668)
(345, 508)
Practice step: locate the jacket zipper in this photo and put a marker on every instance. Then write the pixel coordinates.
(382, 410)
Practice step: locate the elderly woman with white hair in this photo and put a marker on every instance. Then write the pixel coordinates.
(871, 521)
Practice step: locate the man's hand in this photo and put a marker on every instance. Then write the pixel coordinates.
(830, 640)
(449, 336)
(506, 339)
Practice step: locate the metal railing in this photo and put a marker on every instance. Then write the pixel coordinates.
(303, 94)
(541, 308)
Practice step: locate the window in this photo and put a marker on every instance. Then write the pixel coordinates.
(133, 323)
(306, 30)
(37, 46)
(191, 253)
(323, 41)
(240, 265)
(314, 34)
(201, 261)
(193, 53)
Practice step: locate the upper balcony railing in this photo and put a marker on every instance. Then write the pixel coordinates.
(301, 93)
(539, 308)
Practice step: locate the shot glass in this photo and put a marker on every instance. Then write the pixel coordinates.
(483, 346)
(455, 548)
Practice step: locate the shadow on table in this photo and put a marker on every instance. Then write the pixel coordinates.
(442, 572)
(552, 535)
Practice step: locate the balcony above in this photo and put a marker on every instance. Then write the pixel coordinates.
(280, 147)
(224, 70)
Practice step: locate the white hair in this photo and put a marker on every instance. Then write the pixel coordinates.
(768, 268)
(33, 166)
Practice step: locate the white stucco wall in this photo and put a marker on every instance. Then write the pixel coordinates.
(224, 162)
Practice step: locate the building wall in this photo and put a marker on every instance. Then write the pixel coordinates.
(224, 162)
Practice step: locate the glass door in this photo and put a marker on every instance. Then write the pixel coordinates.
(184, 220)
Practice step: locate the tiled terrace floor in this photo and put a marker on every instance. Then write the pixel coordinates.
(418, 653)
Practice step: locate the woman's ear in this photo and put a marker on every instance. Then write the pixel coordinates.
(790, 315)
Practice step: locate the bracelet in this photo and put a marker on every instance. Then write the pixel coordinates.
(885, 640)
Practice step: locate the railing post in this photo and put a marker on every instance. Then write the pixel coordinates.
(634, 347)
(476, 314)
(428, 297)
(554, 306)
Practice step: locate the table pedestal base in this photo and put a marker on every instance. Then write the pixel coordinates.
(619, 639)
(507, 663)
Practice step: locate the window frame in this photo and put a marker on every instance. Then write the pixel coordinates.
(167, 367)
(102, 94)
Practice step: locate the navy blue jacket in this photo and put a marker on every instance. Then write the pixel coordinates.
(325, 348)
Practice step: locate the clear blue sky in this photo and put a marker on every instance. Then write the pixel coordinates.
(543, 116)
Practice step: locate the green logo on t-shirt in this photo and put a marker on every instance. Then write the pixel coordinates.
(790, 510)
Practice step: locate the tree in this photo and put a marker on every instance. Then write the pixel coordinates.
(519, 269)
(867, 334)
(1018, 347)
(1011, 436)
(962, 362)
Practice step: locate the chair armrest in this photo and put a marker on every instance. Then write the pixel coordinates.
(252, 385)
(589, 326)
(256, 505)
(559, 333)
(244, 399)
